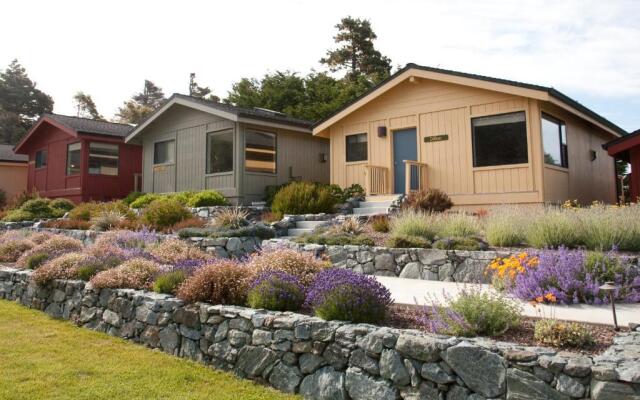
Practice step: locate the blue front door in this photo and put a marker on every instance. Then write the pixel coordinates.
(404, 148)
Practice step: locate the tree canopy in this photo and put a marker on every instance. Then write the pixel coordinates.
(86, 106)
(202, 92)
(141, 105)
(21, 103)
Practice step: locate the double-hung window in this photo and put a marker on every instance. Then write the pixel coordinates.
(499, 140)
(554, 141)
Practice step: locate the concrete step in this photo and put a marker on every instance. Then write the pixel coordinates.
(382, 197)
(299, 231)
(375, 204)
(309, 224)
(371, 211)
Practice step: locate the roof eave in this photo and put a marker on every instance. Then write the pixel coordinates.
(44, 119)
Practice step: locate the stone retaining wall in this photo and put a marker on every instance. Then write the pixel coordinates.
(427, 264)
(335, 360)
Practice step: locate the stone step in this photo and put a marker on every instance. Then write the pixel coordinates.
(309, 224)
(375, 204)
(371, 211)
(299, 231)
(382, 197)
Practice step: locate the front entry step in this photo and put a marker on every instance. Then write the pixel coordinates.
(303, 227)
(376, 205)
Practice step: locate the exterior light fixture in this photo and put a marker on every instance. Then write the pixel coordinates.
(609, 288)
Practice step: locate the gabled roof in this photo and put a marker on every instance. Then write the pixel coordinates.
(76, 126)
(7, 155)
(622, 144)
(524, 89)
(228, 111)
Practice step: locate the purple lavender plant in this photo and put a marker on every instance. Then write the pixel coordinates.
(276, 290)
(341, 294)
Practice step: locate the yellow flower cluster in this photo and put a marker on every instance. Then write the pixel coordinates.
(510, 267)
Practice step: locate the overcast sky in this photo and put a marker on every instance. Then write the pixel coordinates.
(590, 50)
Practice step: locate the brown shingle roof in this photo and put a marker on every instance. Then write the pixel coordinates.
(86, 125)
(7, 154)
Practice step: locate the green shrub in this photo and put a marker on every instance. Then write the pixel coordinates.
(88, 271)
(432, 200)
(555, 228)
(164, 213)
(276, 290)
(18, 215)
(506, 226)
(303, 198)
(353, 191)
(169, 282)
(380, 223)
(39, 208)
(602, 267)
(270, 192)
(457, 225)
(62, 204)
(144, 200)
(458, 243)
(474, 312)
(410, 223)
(35, 260)
(131, 197)
(207, 198)
(334, 237)
(552, 332)
(407, 242)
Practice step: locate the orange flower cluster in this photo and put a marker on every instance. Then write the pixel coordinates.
(510, 267)
(547, 298)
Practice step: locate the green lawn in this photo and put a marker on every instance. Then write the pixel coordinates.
(41, 358)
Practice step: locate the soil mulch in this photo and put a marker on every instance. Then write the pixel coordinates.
(379, 238)
(408, 317)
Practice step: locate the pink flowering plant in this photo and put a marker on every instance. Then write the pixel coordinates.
(341, 294)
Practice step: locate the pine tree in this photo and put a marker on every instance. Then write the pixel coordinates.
(356, 53)
(202, 92)
(141, 105)
(21, 103)
(86, 106)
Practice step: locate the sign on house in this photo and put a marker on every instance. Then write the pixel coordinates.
(436, 138)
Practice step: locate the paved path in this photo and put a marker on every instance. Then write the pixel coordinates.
(416, 291)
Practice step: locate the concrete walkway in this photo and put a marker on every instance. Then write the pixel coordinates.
(416, 291)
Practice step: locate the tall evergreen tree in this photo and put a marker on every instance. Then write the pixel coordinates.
(356, 53)
(202, 92)
(86, 106)
(21, 103)
(141, 104)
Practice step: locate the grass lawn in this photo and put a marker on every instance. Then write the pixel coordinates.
(41, 358)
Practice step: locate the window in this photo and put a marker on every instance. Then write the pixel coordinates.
(73, 158)
(260, 152)
(103, 159)
(499, 140)
(554, 142)
(163, 152)
(357, 147)
(41, 158)
(219, 152)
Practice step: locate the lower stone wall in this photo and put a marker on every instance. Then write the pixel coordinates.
(335, 360)
(427, 264)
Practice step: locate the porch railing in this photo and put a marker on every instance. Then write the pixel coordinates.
(416, 176)
(377, 179)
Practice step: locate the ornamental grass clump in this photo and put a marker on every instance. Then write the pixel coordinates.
(506, 226)
(172, 251)
(412, 223)
(607, 227)
(136, 273)
(461, 225)
(231, 218)
(554, 228)
(276, 290)
(55, 246)
(474, 312)
(168, 282)
(67, 266)
(341, 294)
(220, 282)
(303, 265)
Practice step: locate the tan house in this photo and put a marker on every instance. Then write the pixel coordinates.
(482, 140)
(13, 172)
(195, 144)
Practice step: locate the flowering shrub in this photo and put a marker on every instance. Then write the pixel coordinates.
(11, 249)
(221, 282)
(163, 213)
(40, 237)
(128, 239)
(556, 333)
(137, 273)
(563, 274)
(67, 266)
(503, 271)
(276, 290)
(341, 294)
(474, 312)
(109, 255)
(300, 264)
(55, 246)
(168, 282)
(171, 251)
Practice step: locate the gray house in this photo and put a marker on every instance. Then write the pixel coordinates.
(195, 144)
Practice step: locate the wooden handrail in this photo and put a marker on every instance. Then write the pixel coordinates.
(420, 169)
(377, 180)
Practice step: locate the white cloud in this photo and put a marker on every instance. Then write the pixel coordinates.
(108, 48)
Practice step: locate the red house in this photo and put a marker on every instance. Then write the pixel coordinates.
(81, 159)
(627, 148)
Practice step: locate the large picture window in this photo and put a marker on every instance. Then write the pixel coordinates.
(499, 140)
(260, 152)
(73, 158)
(41, 158)
(356, 147)
(554, 142)
(103, 159)
(163, 152)
(219, 152)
